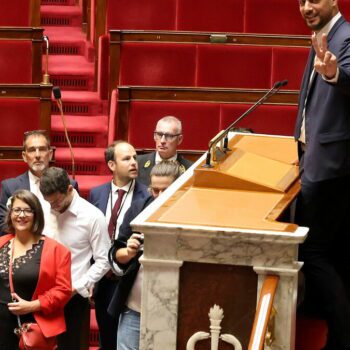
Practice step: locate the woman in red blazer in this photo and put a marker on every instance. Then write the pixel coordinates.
(41, 272)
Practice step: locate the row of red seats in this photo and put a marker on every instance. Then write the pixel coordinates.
(248, 16)
(202, 65)
(202, 120)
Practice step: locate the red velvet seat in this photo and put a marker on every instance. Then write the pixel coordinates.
(141, 14)
(344, 6)
(210, 15)
(157, 64)
(274, 17)
(200, 122)
(289, 63)
(268, 119)
(234, 66)
(18, 115)
(15, 62)
(15, 13)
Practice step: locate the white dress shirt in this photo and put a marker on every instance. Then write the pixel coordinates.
(125, 205)
(83, 230)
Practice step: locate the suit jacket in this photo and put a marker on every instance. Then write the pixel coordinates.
(126, 282)
(327, 110)
(147, 161)
(54, 287)
(9, 187)
(99, 195)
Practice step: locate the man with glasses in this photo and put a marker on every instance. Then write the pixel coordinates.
(37, 153)
(167, 136)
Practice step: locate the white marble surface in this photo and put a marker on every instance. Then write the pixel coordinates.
(167, 246)
(159, 304)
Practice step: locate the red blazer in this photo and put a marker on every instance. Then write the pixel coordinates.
(54, 287)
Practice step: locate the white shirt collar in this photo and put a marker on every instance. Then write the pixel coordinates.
(327, 28)
(127, 188)
(33, 178)
(159, 158)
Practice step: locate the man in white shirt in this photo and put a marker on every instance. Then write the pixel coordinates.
(114, 198)
(81, 228)
(37, 153)
(167, 136)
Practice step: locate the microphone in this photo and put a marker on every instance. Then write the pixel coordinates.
(275, 88)
(57, 94)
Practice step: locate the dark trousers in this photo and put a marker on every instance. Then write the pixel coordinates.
(77, 316)
(107, 325)
(324, 208)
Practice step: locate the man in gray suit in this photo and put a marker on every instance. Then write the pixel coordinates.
(167, 136)
(323, 134)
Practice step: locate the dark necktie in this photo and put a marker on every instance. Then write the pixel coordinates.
(114, 215)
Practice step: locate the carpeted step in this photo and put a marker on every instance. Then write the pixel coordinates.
(70, 41)
(90, 131)
(58, 2)
(88, 161)
(71, 72)
(86, 183)
(53, 15)
(81, 103)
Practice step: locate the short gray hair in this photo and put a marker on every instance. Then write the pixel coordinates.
(172, 119)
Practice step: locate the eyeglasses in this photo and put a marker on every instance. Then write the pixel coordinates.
(25, 211)
(168, 137)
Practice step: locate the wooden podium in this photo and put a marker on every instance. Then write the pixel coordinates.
(213, 236)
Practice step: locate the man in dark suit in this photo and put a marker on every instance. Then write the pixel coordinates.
(323, 134)
(126, 302)
(167, 136)
(37, 153)
(121, 160)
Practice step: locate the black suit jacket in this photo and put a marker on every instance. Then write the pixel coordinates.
(147, 161)
(9, 187)
(327, 112)
(126, 282)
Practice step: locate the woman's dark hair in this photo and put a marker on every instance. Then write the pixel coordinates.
(32, 200)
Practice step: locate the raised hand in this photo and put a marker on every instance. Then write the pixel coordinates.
(325, 61)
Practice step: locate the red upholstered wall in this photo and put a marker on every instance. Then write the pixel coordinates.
(157, 64)
(24, 114)
(141, 14)
(14, 13)
(268, 119)
(15, 62)
(289, 63)
(210, 15)
(344, 6)
(200, 122)
(234, 66)
(274, 17)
